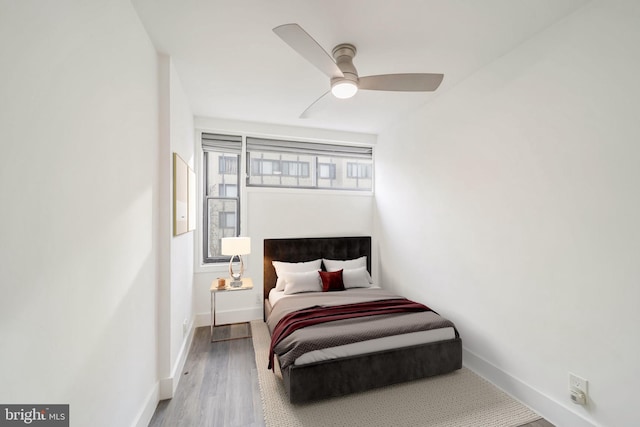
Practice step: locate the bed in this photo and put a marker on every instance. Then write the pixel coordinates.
(313, 373)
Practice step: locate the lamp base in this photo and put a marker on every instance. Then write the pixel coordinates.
(235, 283)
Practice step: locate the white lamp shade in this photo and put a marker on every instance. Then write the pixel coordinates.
(236, 246)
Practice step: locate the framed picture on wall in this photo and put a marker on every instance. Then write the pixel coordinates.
(191, 208)
(180, 195)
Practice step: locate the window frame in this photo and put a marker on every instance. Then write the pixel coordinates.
(204, 263)
(222, 159)
(313, 154)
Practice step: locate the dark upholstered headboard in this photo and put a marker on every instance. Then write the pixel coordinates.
(310, 248)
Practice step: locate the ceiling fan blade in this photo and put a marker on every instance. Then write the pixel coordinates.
(412, 82)
(314, 105)
(305, 45)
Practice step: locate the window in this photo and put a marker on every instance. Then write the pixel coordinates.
(358, 170)
(295, 164)
(290, 168)
(221, 167)
(279, 167)
(228, 165)
(227, 220)
(227, 190)
(326, 171)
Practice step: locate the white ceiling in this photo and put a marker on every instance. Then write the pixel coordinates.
(232, 65)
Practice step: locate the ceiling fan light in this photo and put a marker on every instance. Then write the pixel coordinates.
(344, 89)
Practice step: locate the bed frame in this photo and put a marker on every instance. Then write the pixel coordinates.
(357, 373)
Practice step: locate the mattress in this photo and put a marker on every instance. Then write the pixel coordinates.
(369, 346)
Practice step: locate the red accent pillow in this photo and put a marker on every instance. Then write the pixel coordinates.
(331, 281)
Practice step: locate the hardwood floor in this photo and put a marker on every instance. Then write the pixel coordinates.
(219, 386)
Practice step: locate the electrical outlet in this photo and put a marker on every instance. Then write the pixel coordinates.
(258, 300)
(577, 383)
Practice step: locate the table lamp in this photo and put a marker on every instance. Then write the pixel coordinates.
(236, 246)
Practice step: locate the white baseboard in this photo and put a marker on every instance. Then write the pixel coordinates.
(148, 409)
(229, 316)
(168, 386)
(552, 410)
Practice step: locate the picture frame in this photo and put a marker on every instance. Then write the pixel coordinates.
(191, 198)
(180, 195)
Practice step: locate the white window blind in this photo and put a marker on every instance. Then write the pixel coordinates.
(309, 148)
(231, 144)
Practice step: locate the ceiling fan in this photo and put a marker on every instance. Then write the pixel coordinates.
(343, 75)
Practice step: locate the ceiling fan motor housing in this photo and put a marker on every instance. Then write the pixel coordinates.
(343, 54)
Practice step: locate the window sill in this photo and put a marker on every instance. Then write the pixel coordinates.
(212, 268)
(326, 191)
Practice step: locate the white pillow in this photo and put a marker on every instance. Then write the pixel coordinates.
(335, 265)
(293, 267)
(302, 282)
(356, 278)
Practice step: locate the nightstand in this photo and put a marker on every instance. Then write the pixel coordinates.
(247, 284)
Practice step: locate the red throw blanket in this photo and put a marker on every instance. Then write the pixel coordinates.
(318, 314)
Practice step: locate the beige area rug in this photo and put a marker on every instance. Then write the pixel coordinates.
(458, 399)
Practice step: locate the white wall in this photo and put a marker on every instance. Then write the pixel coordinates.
(79, 224)
(281, 214)
(177, 254)
(512, 203)
(275, 213)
